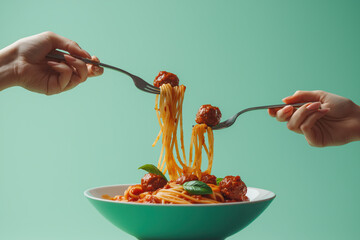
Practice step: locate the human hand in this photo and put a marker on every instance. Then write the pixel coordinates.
(33, 71)
(329, 120)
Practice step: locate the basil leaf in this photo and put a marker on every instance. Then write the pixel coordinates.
(197, 187)
(152, 169)
(218, 180)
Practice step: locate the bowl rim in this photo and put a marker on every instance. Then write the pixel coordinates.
(89, 196)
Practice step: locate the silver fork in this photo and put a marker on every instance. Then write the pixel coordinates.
(231, 121)
(139, 82)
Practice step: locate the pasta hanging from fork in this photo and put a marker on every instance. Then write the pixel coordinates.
(168, 106)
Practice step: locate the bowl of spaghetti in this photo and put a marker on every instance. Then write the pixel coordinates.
(179, 221)
(190, 203)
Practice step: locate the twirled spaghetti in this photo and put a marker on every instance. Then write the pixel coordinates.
(154, 188)
(169, 113)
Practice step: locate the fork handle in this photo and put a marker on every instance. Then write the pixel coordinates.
(278, 106)
(269, 106)
(60, 56)
(232, 120)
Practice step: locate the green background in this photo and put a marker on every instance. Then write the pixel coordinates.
(232, 54)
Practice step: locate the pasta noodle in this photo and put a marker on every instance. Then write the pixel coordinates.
(173, 194)
(168, 107)
(169, 113)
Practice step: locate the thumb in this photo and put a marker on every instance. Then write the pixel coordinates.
(304, 96)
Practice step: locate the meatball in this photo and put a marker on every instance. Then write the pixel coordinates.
(183, 179)
(166, 77)
(151, 182)
(209, 179)
(233, 188)
(209, 115)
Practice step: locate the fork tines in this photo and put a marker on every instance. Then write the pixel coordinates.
(151, 89)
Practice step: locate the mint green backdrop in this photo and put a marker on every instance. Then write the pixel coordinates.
(233, 54)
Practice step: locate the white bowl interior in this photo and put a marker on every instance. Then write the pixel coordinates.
(254, 194)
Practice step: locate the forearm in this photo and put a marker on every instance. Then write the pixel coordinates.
(357, 124)
(7, 67)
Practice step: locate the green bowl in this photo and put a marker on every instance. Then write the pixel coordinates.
(175, 222)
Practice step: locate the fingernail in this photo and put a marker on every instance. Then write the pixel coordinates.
(285, 98)
(87, 54)
(69, 58)
(52, 63)
(324, 110)
(97, 69)
(94, 58)
(313, 106)
(287, 109)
